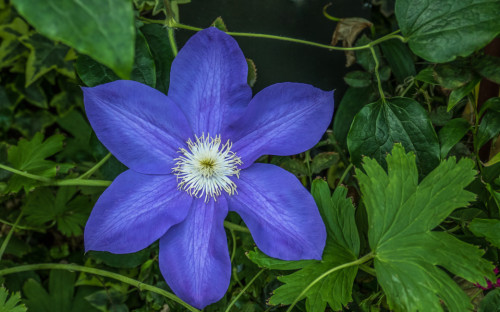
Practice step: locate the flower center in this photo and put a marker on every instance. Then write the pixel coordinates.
(205, 167)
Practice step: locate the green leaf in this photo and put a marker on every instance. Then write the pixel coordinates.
(488, 128)
(353, 101)
(161, 51)
(453, 75)
(491, 302)
(10, 47)
(441, 30)
(364, 57)
(45, 56)
(487, 228)
(379, 125)
(489, 67)
(12, 303)
(324, 161)
(399, 58)
(125, 261)
(59, 298)
(252, 73)
(68, 211)
(264, 261)
(93, 73)
(31, 156)
(426, 75)
(452, 132)
(335, 289)
(401, 214)
(219, 24)
(458, 94)
(358, 79)
(102, 30)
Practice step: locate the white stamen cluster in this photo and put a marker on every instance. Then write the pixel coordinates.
(205, 167)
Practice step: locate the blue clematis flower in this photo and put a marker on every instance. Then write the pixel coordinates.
(191, 157)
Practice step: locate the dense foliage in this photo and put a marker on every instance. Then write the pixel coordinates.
(407, 179)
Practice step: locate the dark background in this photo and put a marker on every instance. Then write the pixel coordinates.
(279, 61)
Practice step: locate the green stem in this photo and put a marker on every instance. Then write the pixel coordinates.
(22, 227)
(243, 291)
(319, 278)
(174, 24)
(233, 252)
(379, 82)
(235, 227)
(7, 239)
(328, 16)
(346, 171)
(79, 268)
(171, 39)
(25, 174)
(78, 182)
(95, 168)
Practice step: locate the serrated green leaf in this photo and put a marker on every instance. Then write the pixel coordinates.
(68, 212)
(264, 261)
(30, 156)
(102, 30)
(458, 94)
(12, 303)
(46, 55)
(379, 125)
(401, 215)
(491, 302)
(93, 73)
(338, 213)
(441, 30)
(353, 101)
(487, 228)
(489, 67)
(358, 79)
(10, 47)
(335, 289)
(399, 58)
(159, 44)
(452, 132)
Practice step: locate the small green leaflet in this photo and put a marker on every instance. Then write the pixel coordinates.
(70, 212)
(30, 156)
(487, 228)
(401, 216)
(11, 304)
(10, 47)
(342, 247)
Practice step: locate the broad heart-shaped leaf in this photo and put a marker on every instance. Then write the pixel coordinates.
(12, 303)
(379, 125)
(342, 247)
(441, 30)
(452, 132)
(31, 156)
(70, 212)
(45, 56)
(487, 228)
(93, 73)
(103, 30)
(401, 214)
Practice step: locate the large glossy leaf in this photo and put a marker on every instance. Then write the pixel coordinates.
(379, 125)
(487, 228)
(399, 58)
(103, 30)
(441, 30)
(402, 214)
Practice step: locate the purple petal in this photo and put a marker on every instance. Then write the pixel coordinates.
(281, 214)
(134, 211)
(138, 124)
(208, 81)
(194, 258)
(283, 119)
